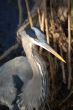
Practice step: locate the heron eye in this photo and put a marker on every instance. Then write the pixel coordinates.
(30, 33)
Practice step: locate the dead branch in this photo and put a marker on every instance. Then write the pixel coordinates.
(7, 52)
(69, 45)
(69, 95)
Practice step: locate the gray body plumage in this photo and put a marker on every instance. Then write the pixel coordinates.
(13, 76)
(18, 84)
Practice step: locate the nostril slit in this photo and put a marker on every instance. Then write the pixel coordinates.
(4, 107)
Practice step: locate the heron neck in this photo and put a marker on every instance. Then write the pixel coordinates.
(36, 61)
(38, 65)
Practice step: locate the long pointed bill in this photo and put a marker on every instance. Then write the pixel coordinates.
(49, 49)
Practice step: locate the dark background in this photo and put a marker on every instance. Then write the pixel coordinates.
(9, 21)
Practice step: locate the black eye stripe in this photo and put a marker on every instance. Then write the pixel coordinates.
(31, 33)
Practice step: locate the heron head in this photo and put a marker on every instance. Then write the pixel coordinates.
(37, 37)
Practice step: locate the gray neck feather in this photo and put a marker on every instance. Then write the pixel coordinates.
(40, 74)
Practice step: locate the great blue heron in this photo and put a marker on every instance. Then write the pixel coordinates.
(22, 84)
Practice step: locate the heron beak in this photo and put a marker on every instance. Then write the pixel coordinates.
(43, 45)
(49, 49)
